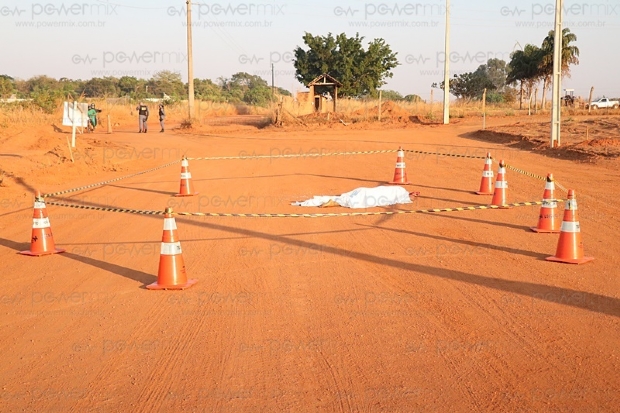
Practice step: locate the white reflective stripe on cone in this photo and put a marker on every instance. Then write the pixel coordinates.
(501, 184)
(487, 174)
(39, 223)
(186, 175)
(401, 154)
(571, 204)
(170, 224)
(548, 203)
(39, 205)
(184, 163)
(171, 248)
(489, 161)
(502, 171)
(400, 164)
(550, 185)
(570, 226)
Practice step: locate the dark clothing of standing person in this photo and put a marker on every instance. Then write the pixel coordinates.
(162, 117)
(143, 116)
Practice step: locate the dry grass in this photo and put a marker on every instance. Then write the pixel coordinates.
(366, 110)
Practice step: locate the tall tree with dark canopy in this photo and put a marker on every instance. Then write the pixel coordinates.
(525, 68)
(361, 72)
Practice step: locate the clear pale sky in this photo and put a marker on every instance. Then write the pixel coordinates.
(81, 39)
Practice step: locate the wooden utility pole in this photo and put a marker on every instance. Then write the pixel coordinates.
(590, 99)
(190, 62)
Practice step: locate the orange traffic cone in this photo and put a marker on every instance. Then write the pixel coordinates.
(186, 183)
(570, 247)
(400, 172)
(42, 240)
(171, 274)
(486, 184)
(549, 219)
(501, 187)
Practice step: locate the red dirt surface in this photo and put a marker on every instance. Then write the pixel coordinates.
(454, 311)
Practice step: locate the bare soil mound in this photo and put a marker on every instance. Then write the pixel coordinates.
(581, 139)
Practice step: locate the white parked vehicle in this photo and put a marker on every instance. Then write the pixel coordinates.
(603, 103)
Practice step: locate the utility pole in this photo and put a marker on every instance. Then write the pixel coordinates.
(557, 75)
(190, 61)
(446, 69)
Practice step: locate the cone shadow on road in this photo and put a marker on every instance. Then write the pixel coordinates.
(451, 201)
(348, 178)
(596, 303)
(482, 221)
(443, 189)
(155, 191)
(464, 242)
(602, 304)
(134, 275)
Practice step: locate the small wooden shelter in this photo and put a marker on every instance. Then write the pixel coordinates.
(323, 80)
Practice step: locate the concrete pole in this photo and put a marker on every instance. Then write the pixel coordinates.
(557, 76)
(446, 69)
(190, 62)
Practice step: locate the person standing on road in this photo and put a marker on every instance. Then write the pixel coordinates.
(143, 116)
(162, 116)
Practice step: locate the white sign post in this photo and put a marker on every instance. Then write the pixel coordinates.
(76, 116)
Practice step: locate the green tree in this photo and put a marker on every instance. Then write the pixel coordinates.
(470, 85)
(38, 83)
(246, 88)
(205, 89)
(391, 95)
(101, 87)
(128, 85)
(362, 72)
(283, 91)
(569, 56)
(7, 86)
(166, 82)
(413, 98)
(525, 68)
(497, 72)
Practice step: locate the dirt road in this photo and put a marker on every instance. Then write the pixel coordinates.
(454, 311)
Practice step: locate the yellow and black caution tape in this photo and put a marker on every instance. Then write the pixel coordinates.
(81, 188)
(328, 215)
(453, 155)
(310, 154)
(539, 177)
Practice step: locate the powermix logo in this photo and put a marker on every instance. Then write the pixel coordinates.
(392, 10)
(110, 58)
(48, 10)
(215, 10)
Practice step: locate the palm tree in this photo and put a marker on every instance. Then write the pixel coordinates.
(569, 53)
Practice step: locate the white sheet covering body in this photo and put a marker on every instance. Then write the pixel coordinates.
(363, 198)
